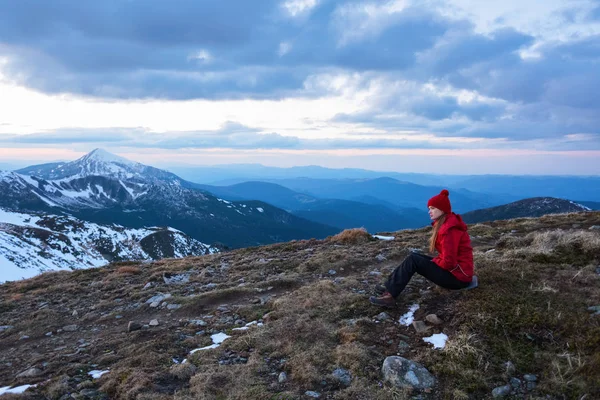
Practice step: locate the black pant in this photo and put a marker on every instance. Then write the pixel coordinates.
(421, 264)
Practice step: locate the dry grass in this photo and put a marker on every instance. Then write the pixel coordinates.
(351, 236)
(530, 309)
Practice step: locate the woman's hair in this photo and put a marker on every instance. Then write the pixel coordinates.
(436, 227)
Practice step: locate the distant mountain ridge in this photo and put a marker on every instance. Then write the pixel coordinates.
(107, 189)
(34, 243)
(534, 207)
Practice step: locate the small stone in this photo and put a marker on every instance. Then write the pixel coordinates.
(4, 328)
(594, 227)
(515, 382)
(255, 301)
(501, 391)
(70, 328)
(147, 286)
(173, 306)
(343, 376)
(510, 368)
(403, 373)
(434, 319)
(154, 322)
(375, 273)
(282, 377)
(155, 304)
(531, 385)
(312, 394)
(380, 257)
(383, 316)
(48, 333)
(530, 377)
(198, 322)
(403, 347)
(332, 272)
(75, 313)
(133, 326)
(420, 326)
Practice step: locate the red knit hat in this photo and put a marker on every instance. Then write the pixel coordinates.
(441, 202)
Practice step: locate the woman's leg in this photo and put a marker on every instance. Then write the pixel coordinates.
(421, 264)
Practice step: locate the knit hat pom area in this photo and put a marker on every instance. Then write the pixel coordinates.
(441, 202)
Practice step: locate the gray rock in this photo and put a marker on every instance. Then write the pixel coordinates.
(531, 385)
(198, 322)
(31, 372)
(343, 376)
(434, 319)
(155, 304)
(594, 227)
(48, 333)
(70, 328)
(133, 326)
(332, 272)
(383, 316)
(154, 322)
(176, 279)
(530, 377)
(404, 373)
(312, 394)
(147, 286)
(515, 382)
(501, 391)
(380, 257)
(594, 309)
(173, 306)
(282, 377)
(597, 271)
(158, 298)
(420, 326)
(5, 328)
(403, 347)
(510, 368)
(375, 273)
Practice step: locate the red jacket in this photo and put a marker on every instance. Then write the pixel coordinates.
(454, 247)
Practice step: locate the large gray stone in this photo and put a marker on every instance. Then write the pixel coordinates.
(403, 373)
(343, 376)
(501, 391)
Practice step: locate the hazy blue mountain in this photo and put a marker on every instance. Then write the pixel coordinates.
(566, 187)
(515, 187)
(388, 192)
(594, 205)
(343, 214)
(533, 207)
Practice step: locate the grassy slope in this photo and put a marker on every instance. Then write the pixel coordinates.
(531, 309)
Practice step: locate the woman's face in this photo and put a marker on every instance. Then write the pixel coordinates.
(435, 213)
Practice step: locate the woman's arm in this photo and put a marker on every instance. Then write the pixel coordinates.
(448, 257)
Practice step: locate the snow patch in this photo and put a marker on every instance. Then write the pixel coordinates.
(217, 339)
(15, 390)
(409, 317)
(438, 340)
(384, 237)
(97, 373)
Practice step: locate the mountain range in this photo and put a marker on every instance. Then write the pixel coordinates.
(116, 210)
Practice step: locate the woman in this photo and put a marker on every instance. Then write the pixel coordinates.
(453, 266)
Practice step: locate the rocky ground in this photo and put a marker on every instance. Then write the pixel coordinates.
(292, 321)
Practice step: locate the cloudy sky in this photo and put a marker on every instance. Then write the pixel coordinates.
(455, 86)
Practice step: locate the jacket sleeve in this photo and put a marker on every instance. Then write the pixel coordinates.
(448, 257)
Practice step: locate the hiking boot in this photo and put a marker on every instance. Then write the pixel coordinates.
(379, 290)
(385, 300)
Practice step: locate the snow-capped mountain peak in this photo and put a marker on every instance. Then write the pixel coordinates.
(103, 156)
(99, 162)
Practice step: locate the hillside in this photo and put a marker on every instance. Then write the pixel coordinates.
(533, 207)
(292, 321)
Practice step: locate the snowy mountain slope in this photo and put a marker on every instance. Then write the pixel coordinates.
(104, 188)
(34, 243)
